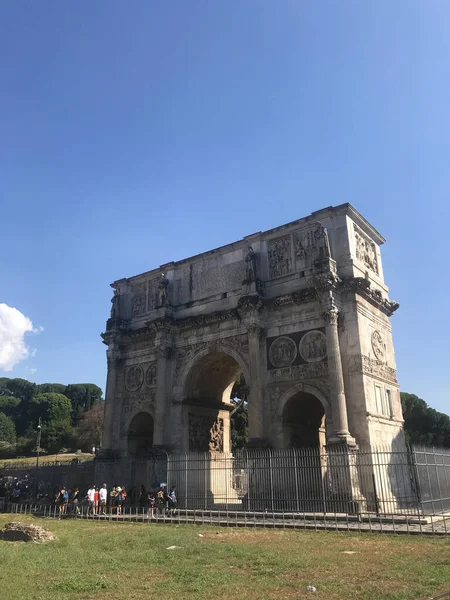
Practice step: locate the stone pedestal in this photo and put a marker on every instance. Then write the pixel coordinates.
(344, 486)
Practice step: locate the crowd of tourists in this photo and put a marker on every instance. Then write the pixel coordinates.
(101, 501)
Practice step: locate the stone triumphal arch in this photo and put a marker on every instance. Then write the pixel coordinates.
(301, 312)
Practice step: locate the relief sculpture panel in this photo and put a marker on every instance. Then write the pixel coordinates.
(366, 250)
(282, 351)
(280, 256)
(205, 433)
(134, 378)
(313, 346)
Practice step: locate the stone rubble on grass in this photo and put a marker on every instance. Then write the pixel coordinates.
(19, 532)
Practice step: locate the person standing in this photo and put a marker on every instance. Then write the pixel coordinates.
(172, 501)
(103, 496)
(119, 500)
(75, 501)
(112, 500)
(91, 499)
(62, 500)
(95, 500)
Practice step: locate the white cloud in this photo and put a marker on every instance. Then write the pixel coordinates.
(13, 327)
(33, 371)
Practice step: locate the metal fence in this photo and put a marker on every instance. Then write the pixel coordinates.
(380, 481)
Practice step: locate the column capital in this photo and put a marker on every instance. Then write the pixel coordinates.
(163, 350)
(114, 353)
(331, 316)
(255, 328)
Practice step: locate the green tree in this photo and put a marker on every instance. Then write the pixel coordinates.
(89, 430)
(9, 405)
(83, 396)
(25, 391)
(54, 411)
(424, 425)
(239, 415)
(45, 388)
(7, 430)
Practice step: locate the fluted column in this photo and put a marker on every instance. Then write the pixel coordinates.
(340, 433)
(161, 395)
(256, 398)
(113, 356)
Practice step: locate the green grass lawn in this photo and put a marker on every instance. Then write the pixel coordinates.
(44, 459)
(121, 561)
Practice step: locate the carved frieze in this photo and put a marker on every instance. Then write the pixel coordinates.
(299, 372)
(366, 251)
(205, 433)
(143, 297)
(359, 363)
(282, 351)
(134, 403)
(378, 346)
(280, 256)
(139, 301)
(216, 436)
(313, 346)
(134, 378)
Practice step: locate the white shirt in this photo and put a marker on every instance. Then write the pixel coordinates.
(91, 494)
(103, 493)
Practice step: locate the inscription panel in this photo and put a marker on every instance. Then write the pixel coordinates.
(209, 278)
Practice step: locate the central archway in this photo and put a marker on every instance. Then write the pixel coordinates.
(207, 403)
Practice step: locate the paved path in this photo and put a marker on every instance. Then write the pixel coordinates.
(437, 525)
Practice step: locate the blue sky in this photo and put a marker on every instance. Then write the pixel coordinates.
(137, 133)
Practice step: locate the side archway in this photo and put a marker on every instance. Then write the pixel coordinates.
(302, 413)
(140, 434)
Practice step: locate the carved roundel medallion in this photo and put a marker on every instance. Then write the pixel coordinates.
(313, 346)
(150, 375)
(378, 345)
(135, 378)
(282, 352)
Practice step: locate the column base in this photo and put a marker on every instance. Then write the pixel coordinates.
(341, 438)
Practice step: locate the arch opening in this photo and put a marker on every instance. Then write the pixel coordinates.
(304, 422)
(140, 435)
(208, 402)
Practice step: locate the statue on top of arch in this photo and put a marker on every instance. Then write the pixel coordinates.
(163, 285)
